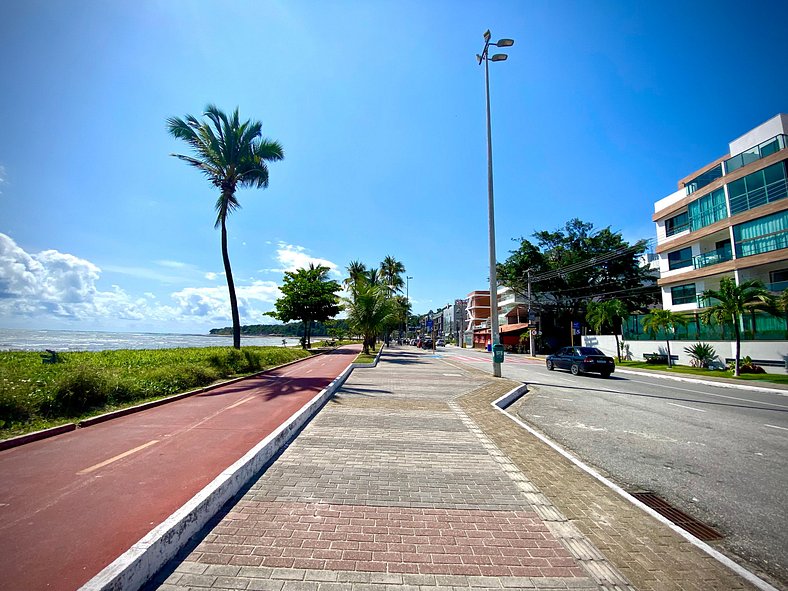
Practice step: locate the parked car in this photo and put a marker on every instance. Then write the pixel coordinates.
(426, 344)
(582, 360)
(440, 343)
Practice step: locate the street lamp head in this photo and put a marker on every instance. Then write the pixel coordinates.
(505, 42)
(487, 35)
(499, 57)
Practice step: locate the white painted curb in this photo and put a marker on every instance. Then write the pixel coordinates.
(501, 403)
(368, 365)
(135, 567)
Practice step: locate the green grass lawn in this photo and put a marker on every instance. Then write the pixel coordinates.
(361, 358)
(35, 395)
(705, 373)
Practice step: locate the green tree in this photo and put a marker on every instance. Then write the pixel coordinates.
(307, 295)
(577, 264)
(733, 301)
(230, 154)
(664, 320)
(391, 269)
(369, 310)
(356, 271)
(610, 313)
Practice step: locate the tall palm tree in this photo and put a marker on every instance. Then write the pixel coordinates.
(232, 155)
(356, 271)
(610, 312)
(666, 320)
(733, 301)
(369, 310)
(391, 269)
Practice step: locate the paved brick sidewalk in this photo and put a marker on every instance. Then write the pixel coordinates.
(408, 479)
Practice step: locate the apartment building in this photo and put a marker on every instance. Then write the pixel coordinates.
(477, 318)
(730, 218)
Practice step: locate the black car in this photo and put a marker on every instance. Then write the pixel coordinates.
(426, 343)
(582, 360)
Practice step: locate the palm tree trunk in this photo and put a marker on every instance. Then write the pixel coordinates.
(231, 287)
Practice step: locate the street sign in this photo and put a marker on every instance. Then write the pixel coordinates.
(429, 325)
(576, 327)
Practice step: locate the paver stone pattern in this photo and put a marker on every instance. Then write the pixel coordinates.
(390, 486)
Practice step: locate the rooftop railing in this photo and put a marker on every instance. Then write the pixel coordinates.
(762, 150)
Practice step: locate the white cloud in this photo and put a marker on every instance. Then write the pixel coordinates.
(56, 285)
(293, 257)
(2, 176)
(214, 302)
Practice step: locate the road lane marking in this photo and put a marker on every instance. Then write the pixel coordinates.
(117, 457)
(776, 427)
(240, 402)
(689, 407)
(680, 389)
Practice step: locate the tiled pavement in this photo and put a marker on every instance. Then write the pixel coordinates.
(408, 479)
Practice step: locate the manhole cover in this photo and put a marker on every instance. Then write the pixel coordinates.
(684, 521)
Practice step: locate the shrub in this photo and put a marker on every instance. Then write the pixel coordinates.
(79, 389)
(702, 354)
(746, 365)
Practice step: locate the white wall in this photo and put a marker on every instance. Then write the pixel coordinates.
(771, 350)
(774, 126)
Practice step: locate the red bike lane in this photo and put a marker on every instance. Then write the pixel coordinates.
(71, 504)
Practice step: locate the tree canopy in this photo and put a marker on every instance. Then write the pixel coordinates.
(307, 295)
(576, 264)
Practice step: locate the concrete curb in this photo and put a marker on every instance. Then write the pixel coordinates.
(45, 433)
(368, 365)
(507, 399)
(143, 560)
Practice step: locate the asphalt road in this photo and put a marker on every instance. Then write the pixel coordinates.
(718, 454)
(71, 504)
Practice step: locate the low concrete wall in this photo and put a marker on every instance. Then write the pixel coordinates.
(634, 350)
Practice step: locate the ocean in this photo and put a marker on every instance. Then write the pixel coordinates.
(12, 339)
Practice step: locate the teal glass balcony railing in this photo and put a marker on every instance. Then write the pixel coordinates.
(777, 287)
(712, 258)
(704, 302)
(770, 146)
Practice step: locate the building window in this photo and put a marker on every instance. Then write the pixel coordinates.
(707, 210)
(704, 179)
(759, 188)
(678, 259)
(682, 294)
(778, 280)
(762, 235)
(677, 224)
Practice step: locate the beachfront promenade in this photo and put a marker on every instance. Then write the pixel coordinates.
(409, 478)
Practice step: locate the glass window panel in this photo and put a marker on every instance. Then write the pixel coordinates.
(774, 173)
(754, 181)
(682, 294)
(770, 147)
(679, 259)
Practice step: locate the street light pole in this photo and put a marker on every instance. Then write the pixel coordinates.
(407, 301)
(494, 336)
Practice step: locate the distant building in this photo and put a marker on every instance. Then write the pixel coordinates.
(477, 318)
(730, 218)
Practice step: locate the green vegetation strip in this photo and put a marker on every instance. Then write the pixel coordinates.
(705, 373)
(361, 358)
(36, 395)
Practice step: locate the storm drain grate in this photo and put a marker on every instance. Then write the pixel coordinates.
(684, 521)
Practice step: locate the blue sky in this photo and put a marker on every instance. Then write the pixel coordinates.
(600, 109)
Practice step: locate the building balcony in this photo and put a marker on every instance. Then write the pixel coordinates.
(777, 287)
(713, 257)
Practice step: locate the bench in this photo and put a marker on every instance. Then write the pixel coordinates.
(762, 362)
(657, 358)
